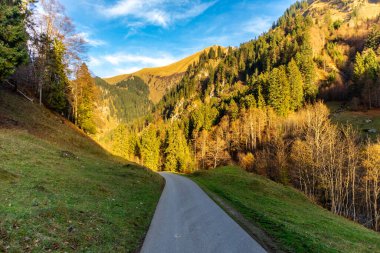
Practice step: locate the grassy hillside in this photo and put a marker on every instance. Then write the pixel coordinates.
(60, 191)
(287, 215)
(360, 120)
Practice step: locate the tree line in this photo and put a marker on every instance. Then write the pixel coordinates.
(43, 54)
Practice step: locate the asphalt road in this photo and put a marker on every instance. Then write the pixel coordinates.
(187, 220)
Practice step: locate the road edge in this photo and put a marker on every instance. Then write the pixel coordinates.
(138, 249)
(267, 242)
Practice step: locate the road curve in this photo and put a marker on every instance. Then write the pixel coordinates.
(188, 221)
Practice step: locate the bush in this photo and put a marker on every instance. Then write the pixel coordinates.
(246, 160)
(337, 24)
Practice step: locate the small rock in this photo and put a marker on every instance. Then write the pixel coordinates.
(68, 154)
(372, 131)
(367, 121)
(70, 229)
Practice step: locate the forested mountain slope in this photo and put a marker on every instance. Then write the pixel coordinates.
(121, 102)
(255, 105)
(128, 97)
(162, 79)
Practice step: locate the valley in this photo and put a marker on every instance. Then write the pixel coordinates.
(272, 145)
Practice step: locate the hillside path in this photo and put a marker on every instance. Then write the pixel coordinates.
(188, 221)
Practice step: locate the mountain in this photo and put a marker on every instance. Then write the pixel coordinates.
(162, 79)
(128, 97)
(256, 106)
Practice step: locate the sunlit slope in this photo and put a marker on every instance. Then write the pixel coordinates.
(60, 191)
(174, 68)
(286, 215)
(161, 79)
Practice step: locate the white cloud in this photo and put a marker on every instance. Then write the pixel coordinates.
(120, 71)
(92, 42)
(94, 62)
(156, 12)
(125, 58)
(258, 25)
(126, 63)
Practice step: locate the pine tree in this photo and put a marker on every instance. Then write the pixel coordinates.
(260, 98)
(366, 74)
(177, 153)
(306, 65)
(13, 37)
(249, 101)
(296, 86)
(150, 148)
(84, 93)
(220, 52)
(56, 92)
(233, 110)
(279, 91)
(212, 54)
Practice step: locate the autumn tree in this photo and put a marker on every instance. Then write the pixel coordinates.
(371, 164)
(85, 94)
(52, 35)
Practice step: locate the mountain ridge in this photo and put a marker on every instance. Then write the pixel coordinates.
(162, 79)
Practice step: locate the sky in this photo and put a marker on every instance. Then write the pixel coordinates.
(127, 35)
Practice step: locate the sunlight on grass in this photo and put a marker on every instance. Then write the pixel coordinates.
(286, 214)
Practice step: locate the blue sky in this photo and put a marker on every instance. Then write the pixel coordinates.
(127, 35)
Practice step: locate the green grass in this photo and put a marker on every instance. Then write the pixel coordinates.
(59, 191)
(286, 214)
(356, 118)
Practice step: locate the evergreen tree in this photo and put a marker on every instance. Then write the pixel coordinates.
(279, 91)
(366, 74)
(84, 94)
(177, 153)
(260, 98)
(373, 40)
(211, 53)
(249, 101)
(13, 37)
(119, 141)
(150, 148)
(296, 86)
(56, 92)
(233, 110)
(220, 52)
(306, 65)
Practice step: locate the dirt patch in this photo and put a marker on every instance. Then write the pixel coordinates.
(370, 113)
(6, 122)
(7, 176)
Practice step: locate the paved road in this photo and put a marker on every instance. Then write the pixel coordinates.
(187, 220)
